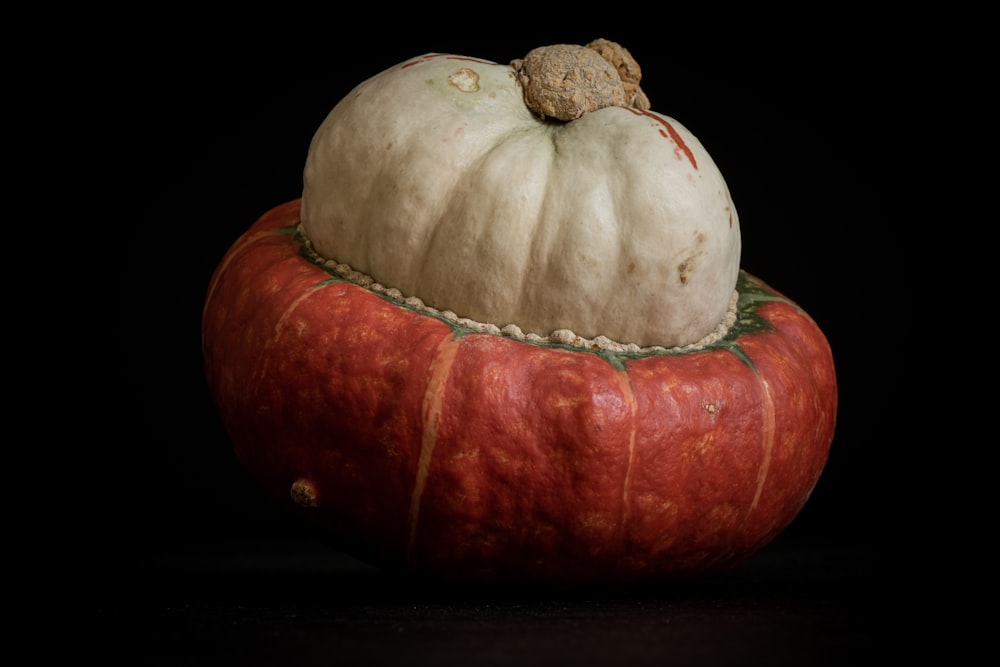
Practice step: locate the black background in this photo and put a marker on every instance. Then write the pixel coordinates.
(192, 564)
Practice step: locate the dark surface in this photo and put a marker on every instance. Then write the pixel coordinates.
(183, 563)
(294, 601)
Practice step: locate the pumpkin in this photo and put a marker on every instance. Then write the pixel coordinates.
(504, 335)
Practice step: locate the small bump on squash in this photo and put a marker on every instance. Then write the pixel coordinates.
(303, 493)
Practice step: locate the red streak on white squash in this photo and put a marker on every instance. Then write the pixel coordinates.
(670, 133)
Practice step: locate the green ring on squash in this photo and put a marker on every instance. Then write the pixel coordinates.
(422, 446)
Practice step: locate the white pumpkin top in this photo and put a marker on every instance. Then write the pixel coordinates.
(434, 178)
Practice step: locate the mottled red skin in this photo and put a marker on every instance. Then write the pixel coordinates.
(480, 457)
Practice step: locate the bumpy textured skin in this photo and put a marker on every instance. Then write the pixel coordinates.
(433, 449)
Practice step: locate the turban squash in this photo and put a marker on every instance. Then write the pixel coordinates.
(492, 344)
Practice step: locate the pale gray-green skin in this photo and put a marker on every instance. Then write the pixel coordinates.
(434, 178)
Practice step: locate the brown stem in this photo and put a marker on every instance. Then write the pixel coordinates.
(565, 81)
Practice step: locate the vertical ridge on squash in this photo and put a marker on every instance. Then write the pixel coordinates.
(433, 404)
(795, 363)
(767, 440)
(628, 392)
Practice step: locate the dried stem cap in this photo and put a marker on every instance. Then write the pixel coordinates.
(565, 81)
(628, 70)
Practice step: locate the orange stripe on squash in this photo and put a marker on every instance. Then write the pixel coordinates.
(433, 404)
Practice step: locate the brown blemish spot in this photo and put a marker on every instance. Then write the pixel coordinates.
(684, 269)
(687, 265)
(303, 493)
(465, 79)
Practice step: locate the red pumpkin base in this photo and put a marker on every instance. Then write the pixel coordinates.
(422, 446)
